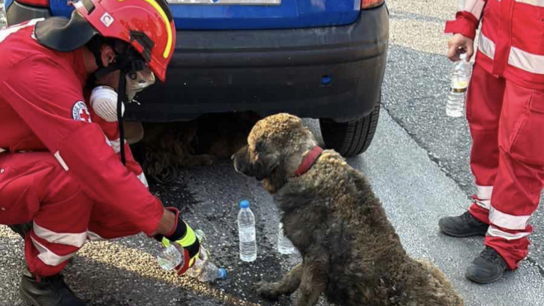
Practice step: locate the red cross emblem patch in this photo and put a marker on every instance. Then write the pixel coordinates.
(80, 112)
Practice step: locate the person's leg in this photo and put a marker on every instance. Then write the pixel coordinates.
(521, 173)
(34, 187)
(518, 186)
(484, 103)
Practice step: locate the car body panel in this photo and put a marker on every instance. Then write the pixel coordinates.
(265, 62)
(332, 72)
(218, 16)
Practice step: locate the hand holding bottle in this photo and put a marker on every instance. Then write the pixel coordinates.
(459, 44)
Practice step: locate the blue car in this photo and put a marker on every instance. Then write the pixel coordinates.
(322, 59)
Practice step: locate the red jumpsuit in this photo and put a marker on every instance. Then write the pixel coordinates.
(59, 166)
(505, 110)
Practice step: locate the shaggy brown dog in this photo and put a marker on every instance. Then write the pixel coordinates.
(349, 248)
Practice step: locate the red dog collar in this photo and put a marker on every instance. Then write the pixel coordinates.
(308, 161)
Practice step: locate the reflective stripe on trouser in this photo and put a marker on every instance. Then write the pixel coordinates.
(514, 166)
(35, 187)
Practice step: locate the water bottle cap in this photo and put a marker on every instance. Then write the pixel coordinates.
(244, 204)
(223, 273)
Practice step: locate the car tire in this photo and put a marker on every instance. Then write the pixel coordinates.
(350, 138)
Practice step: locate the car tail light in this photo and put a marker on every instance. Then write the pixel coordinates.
(366, 4)
(35, 2)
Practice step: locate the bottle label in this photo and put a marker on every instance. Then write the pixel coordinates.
(452, 89)
(458, 85)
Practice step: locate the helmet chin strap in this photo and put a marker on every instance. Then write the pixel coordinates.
(124, 67)
(125, 63)
(120, 97)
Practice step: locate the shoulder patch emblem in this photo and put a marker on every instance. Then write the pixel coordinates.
(80, 112)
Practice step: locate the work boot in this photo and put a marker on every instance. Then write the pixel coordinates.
(48, 291)
(465, 225)
(487, 268)
(21, 229)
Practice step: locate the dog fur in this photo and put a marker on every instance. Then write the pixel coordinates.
(350, 250)
(168, 147)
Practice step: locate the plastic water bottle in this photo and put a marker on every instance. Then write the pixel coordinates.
(203, 269)
(460, 77)
(246, 232)
(170, 257)
(285, 246)
(206, 271)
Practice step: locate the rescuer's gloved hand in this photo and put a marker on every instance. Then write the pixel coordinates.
(186, 240)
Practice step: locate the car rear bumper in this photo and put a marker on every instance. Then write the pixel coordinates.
(329, 72)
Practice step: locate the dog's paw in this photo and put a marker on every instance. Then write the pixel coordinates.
(199, 160)
(267, 290)
(208, 160)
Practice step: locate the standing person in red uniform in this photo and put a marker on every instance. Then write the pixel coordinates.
(63, 166)
(505, 111)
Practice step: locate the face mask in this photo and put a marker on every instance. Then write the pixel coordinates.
(104, 103)
(138, 81)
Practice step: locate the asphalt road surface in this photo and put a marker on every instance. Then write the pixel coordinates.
(417, 165)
